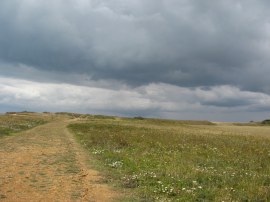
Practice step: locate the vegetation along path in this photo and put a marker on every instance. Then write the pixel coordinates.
(46, 164)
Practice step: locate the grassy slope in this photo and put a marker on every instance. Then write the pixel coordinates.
(16, 122)
(174, 160)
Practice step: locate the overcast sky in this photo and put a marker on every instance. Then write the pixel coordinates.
(182, 59)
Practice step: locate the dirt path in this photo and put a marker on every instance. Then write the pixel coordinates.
(46, 164)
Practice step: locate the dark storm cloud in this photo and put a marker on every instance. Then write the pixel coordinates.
(162, 58)
(186, 43)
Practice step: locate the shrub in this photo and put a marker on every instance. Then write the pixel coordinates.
(266, 122)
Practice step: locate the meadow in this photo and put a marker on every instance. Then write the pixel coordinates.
(163, 160)
(166, 160)
(15, 122)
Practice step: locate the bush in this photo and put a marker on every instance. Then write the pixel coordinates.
(266, 122)
(139, 118)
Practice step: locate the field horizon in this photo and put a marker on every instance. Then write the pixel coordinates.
(137, 116)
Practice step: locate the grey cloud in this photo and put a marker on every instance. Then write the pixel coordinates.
(156, 100)
(185, 43)
(162, 58)
(230, 102)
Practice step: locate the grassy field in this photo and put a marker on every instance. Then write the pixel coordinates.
(168, 160)
(16, 122)
(162, 160)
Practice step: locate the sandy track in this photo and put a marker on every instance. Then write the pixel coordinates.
(46, 164)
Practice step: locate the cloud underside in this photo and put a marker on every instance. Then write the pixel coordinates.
(184, 43)
(155, 57)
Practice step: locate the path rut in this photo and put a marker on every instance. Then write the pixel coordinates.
(47, 164)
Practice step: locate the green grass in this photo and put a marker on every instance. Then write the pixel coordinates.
(161, 160)
(16, 122)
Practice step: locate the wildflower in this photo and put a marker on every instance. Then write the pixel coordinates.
(116, 164)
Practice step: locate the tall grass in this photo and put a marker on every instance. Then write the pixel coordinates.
(179, 163)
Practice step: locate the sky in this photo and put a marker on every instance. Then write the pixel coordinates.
(176, 59)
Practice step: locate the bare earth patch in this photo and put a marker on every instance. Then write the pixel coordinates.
(46, 164)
